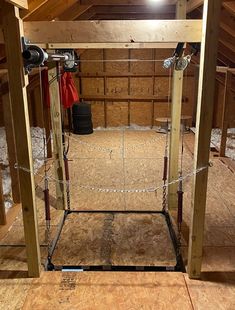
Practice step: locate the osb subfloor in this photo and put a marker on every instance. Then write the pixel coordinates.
(135, 163)
(120, 239)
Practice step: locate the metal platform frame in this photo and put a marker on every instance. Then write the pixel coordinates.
(178, 267)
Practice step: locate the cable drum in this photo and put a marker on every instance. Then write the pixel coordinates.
(82, 118)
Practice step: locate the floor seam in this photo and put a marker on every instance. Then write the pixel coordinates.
(187, 288)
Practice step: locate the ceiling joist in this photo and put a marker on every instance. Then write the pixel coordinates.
(22, 4)
(122, 31)
(74, 12)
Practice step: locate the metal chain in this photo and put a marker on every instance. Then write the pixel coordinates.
(164, 197)
(112, 190)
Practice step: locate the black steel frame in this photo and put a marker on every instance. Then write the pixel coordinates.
(49, 266)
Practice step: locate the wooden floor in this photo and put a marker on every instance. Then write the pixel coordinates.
(135, 163)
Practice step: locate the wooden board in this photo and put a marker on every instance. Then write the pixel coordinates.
(121, 239)
(121, 31)
(108, 291)
(133, 83)
(117, 114)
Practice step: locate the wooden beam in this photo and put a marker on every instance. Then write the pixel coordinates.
(141, 31)
(50, 10)
(203, 132)
(226, 102)
(74, 11)
(11, 144)
(13, 31)
(221, 69)
(32, 7)
(134, 9)
(109, 45)
(230, 6)
(122, 2)
(55, 109)
(22, 4)
(2, 205)
(193, 5)
(126, 97)
(176, 107)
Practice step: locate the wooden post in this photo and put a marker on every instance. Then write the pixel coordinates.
(203, 132)
(55, 109)
(196, 78)
(2, 206)
(11, 146)
(226, 101)
(176, 106)
(13, 31)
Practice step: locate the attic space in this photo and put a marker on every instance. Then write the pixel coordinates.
(117, 154)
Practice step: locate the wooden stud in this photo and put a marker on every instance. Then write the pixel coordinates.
(11, 144)
(203, 132)
(117, 31)
(129, 90)
(13, 31)
(55, 109)
(2, 205)
(196, 78)
(105, 88)
(226, 102)
(176, 107)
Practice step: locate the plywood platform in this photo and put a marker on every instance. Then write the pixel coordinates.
(115, 239)
(101, 291)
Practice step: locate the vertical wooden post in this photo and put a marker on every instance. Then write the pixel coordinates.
(176, 106)
(13, 31)
(196, 78)
(2, 206)
(226, 102)
(55, 109)
(203, 132)
(11, 146)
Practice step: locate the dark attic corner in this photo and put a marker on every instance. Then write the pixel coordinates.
(117, 154)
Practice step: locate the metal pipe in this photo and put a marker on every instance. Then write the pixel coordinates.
(58, 57)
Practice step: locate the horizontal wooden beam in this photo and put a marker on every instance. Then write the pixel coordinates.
(119, 97)
(109, 45)
(22, 4)
(122, 31)
(124, 2)
(221, 69)
(123, 74)
(134, 9)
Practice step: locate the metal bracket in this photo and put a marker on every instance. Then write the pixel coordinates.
(34, 56)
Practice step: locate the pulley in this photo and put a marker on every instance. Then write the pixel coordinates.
(179, 61)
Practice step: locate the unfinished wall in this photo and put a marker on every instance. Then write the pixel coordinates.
(129, 92)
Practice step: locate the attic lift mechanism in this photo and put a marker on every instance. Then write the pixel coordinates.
(35, 56)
